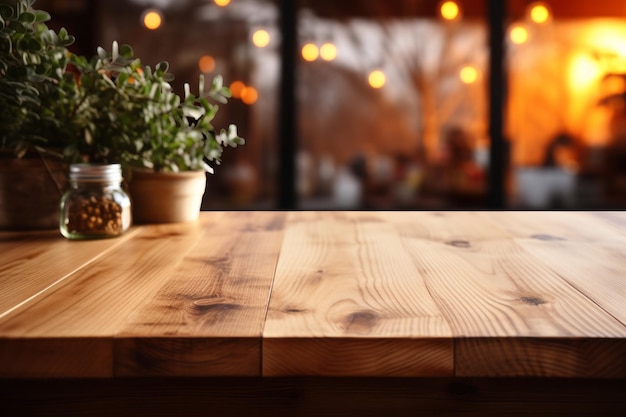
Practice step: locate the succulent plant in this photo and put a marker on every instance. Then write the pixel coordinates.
(109, 108)
(33, 64)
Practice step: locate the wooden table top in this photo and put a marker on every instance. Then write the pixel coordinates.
(421, 294)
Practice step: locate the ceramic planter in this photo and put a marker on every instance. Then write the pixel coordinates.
(165, 197)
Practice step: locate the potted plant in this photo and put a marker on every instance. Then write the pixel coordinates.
(107, 109)
(167, 141)
(33, 77)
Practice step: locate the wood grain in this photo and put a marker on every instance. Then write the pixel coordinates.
(343, 285)
(488, 286)
(31, 262)
(587, 250)
(342, 294)
(93, 303)
(541, 357)
(208, 317)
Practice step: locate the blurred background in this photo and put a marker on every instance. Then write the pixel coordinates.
(395, 104)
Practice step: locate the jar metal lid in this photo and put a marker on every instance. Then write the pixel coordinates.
(96, 172)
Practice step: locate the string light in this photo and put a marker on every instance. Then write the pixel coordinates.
(222, 3)
(328, 52)
(206, 63)
(152, 19)
(518, 34)
(310, 52)
(261, 38)
(469, 74)
(236, 88)
(539, 13)
(377, 79)
(449, 10)
(249, 95)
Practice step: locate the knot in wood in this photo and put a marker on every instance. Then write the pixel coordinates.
(361, 322)
(213, 304)
(459, 243)
(546, 238)
(535, 301)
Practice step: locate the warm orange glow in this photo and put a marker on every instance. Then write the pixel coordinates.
(539, 13)
(249, 95)
(328, 52)
(469, 75)
(222, 3)
(584, 72)
(519, 35)
(609, 37)
(310, 52)
(377, 79)
(236, 88)
(261, 38)
(152, 19)
(206, 63)
(449, 10)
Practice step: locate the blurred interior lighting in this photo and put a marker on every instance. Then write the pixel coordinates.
(310, 52)
(249, 95)
(152, 19)
(328, 51)
(449, 10)
(236, 88)
(468, 74)
(377, 79)
(222, 3)
(261, 38)
(519, 34)
(206, 63)
(584, 72)
(539, 13)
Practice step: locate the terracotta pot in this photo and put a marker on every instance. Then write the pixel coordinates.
(30, 192)
(164, 197)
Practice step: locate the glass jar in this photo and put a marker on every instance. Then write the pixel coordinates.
(95, 205)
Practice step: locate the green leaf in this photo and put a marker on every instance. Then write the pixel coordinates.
(162, 66)
(6, 11)
(27, 17)
(42, 16)
(126, 51)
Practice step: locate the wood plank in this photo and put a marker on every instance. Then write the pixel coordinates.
(93, 304)
(207, 319)
(488, 286)
(32, 262)
(549, 357)
(585, 249)
(347, 300)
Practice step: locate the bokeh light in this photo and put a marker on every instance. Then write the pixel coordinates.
(249, 95)
(584, 72)
(519, 34)
(539, 13)
(206, 63)
(152, 19)
(236, 88)
(449, 10)
(310, 52)
(222, 3)
(468, 74)
(328, 52)
(261, 38)
(377, 79)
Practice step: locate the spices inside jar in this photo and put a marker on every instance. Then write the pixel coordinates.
(95, 205)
